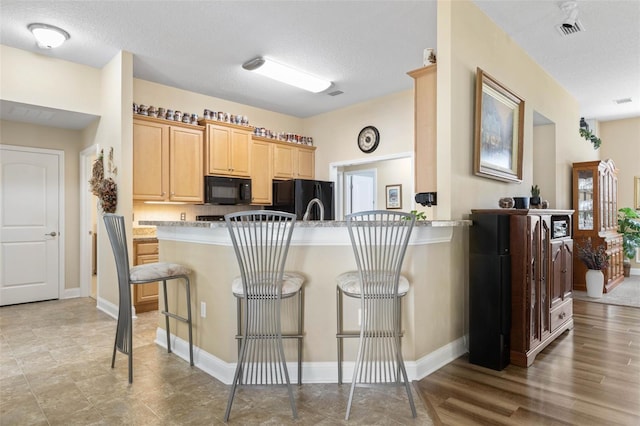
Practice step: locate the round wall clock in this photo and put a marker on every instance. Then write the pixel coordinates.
(368, 139)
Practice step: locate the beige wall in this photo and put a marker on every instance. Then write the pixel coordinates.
(544, 160)
(472, 40)
(42, 80)
(621, 143)
(70, 142)
(115, 131)
(336, 132)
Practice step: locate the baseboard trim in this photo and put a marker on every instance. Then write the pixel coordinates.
(312, 372)
(107, 307)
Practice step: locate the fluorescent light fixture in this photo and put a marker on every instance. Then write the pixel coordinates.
(48, 36)
(287, 75)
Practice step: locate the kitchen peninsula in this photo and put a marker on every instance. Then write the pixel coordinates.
(433, 310)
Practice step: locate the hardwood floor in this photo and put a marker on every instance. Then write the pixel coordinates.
(588, 376)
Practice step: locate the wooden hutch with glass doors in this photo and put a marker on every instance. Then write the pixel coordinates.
(595, 201)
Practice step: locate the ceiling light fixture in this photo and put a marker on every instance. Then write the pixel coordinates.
(48, 36)
(287, 75)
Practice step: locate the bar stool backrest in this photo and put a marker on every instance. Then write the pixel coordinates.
(118, 238)
(379, 239)
(261, 241)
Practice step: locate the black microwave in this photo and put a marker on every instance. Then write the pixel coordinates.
(226, 190)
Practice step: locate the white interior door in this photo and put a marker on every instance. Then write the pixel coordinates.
(360, 191)
(29, 225)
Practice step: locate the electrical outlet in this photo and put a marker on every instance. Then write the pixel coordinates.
(183, 216)
(203, 309)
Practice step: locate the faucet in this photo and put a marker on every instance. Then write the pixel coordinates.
(312, 202)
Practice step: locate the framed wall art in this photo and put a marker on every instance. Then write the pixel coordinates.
(499, 122)
(636, 197)
(394, 196)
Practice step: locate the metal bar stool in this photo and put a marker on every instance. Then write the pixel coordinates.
(379, 239)
(261, 241)
(141, 274)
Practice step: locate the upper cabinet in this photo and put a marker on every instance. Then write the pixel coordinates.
(425, 80)
(595, 201)
(261, 172)
(167, 161)
(293, 161)
(227, 149)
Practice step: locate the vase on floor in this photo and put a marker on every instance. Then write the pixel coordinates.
(595, 283)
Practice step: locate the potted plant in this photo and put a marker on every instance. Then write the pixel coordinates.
(535, 196)
(596, 259)
(629, 227)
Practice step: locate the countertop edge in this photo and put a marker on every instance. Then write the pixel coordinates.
(300, 223)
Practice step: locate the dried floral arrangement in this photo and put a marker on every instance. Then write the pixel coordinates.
(97, 175)
(105, 189)
(594, 258)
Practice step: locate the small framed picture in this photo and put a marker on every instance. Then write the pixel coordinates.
(394, 196)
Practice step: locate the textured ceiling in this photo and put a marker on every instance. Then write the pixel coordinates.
(365, 47)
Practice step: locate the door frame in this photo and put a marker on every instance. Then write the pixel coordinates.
(62, 233)
(337, 175)
(86, 158)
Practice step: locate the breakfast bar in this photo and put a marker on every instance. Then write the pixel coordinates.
(434, 310)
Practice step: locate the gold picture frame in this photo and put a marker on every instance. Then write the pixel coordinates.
(499, 130)
(394, 196)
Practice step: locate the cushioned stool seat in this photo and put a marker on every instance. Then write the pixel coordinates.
(350, 283)
(157, 271)
(292, 283)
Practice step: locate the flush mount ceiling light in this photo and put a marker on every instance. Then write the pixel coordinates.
(286, 74)
(48, 36)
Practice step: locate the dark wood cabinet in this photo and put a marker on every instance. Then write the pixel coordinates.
(595, 201)
(541, 259)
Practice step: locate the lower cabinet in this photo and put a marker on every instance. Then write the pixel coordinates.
(145, 296)
(521, 280)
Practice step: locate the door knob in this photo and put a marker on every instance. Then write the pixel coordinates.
(52, 234)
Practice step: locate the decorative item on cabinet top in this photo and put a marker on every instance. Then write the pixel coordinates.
(283, 136)
(185, 117)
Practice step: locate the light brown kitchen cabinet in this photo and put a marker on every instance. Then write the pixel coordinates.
(145, 296)
(227, 149)
(425, 119)
(292, 161)
(595, 201)
(261, 172)
(167, 161)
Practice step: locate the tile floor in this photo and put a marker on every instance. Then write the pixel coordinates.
(55, 360)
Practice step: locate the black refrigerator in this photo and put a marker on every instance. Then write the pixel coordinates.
(294, 195)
